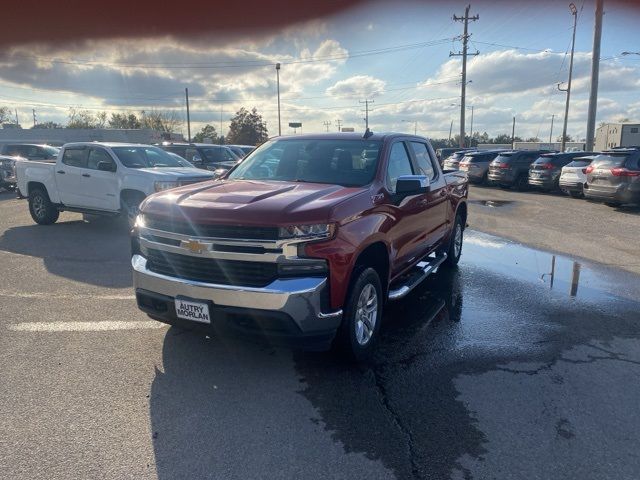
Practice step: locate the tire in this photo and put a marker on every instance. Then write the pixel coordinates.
(454, 249)
(576, 194)
(130, 207)
(41, 209)
(360, 329)
(504, 186)
(612, 204)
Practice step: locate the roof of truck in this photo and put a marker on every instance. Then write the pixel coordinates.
(345, 136)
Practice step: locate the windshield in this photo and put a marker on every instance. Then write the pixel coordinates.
(338, 162)
(145, 157)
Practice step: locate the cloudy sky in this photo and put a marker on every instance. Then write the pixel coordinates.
(395, 53)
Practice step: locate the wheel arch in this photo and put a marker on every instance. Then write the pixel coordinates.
(376, 256)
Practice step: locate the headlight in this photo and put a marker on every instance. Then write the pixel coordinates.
(160, 186)
(321, 230)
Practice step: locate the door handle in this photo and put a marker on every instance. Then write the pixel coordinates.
(442, 193)
(86, 175)
(60, 172)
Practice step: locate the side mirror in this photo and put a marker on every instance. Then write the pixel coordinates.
(105, 166)
(412, 185)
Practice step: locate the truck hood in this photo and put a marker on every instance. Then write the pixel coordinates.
(167, 173)
(250, 202)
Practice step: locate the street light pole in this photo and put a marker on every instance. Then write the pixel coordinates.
(551, 132)
(278, 86)
(574, 12)
(471, 134)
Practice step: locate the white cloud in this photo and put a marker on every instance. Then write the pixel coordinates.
(356, 87)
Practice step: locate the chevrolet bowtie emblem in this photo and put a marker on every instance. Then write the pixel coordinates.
(194, 246)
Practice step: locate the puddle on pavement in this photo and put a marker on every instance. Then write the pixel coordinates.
(492, 203)
(558, 273)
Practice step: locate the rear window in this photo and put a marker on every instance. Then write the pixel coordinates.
(543, 159)
(503, 157)
(579, 163)
(609, 161)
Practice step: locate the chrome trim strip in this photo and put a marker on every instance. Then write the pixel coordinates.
(208, 253)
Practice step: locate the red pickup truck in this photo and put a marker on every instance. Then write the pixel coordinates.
(306, 239)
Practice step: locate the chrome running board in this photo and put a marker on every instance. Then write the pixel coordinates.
(415, 276)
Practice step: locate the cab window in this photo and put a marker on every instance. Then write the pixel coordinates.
(425, 164)
(97, 155)
(399, 165)
(75, 157)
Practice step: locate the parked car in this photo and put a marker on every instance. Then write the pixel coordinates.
(247, 149)
(452, 162)
(101, 179)
(614, 177)
(544, 173)
(444, 153)
(476, 165)
(7, 173)
(30, 151)
(203, 155)
(237, 150)
(303, 240)
(511, 168)
(574, 176)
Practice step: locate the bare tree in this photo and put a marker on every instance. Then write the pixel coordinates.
(163, 121)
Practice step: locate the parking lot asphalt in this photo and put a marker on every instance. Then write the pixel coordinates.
(556, 222)
(520, 363)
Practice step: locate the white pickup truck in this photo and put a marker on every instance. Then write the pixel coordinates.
(101, 179)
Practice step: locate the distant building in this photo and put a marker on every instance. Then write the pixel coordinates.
(60, 136)
(611, 135)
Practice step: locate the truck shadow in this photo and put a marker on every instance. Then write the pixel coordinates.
(239, 409)
(97, 253)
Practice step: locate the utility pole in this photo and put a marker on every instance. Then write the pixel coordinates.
(595, 72)
(366, 114)
(450, 131)
(17, 121)
(574, 12)
(339, 123)
(464, 54)
(471, 134)
(278, 86)
(327, 124)
(186, 94)
(34, 116)
(220, 133)
(551, 132)
(513, 134)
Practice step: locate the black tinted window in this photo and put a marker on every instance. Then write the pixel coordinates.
(75, 157)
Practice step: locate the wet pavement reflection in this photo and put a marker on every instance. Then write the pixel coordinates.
(504, 305)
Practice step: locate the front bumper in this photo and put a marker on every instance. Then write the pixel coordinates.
(287, 308)
(8, 177)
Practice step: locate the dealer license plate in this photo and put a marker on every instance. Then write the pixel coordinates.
(194, 311)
